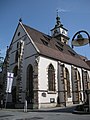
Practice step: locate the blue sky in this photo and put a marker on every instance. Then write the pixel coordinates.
(41, 15)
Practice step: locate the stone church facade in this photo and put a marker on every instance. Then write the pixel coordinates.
(47, 71)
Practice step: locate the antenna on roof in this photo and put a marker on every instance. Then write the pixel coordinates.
(20, 20)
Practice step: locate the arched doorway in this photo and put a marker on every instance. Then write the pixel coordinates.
(29, 84)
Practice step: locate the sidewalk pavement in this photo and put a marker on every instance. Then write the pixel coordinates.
(54, 109)
(68, 109)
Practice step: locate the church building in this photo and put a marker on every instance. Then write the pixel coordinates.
(47, 71)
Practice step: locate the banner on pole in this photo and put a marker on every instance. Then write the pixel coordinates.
(9, 82)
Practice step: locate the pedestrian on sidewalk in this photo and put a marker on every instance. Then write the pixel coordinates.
(1, 103)
(25, 106)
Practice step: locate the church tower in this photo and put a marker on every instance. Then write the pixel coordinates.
(59, 31)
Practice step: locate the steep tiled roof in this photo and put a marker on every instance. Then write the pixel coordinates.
(88, 62)
(53, 48)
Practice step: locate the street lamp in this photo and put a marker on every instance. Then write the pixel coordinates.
(79, 40)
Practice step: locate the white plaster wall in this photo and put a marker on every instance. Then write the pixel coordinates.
(13, 50)
(12, 54)
(29, 49)
(80, 71)
(89, 75)
(43, 79)
(15, 40)
(28, 56)
(59, 30)
(65, 32)
(22, 33)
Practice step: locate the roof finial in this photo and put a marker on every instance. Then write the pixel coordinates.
(58, 18)
(20, 20)
(57, 12)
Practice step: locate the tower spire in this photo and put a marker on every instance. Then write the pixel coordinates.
(59, 31)
(58, 19)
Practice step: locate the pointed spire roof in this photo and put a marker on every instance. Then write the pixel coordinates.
(58, 19)
(58, 22)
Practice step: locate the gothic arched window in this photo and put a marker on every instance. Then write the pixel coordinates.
(51, 78)
(88, 81)
(16, 56)
(79, 81)
(15, 71)
(75, 76)
(29, 84)
(67, 83)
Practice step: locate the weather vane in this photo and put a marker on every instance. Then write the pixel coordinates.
(57, 11)
(61, 10)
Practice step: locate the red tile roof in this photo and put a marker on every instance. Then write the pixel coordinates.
(88, 62)
(53, 48)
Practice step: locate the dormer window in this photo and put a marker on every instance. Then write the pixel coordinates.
(59, 48)
(44, 42)
(47, 37)
(72, 53)
(60, 44)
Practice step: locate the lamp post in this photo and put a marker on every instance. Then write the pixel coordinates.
(80, 40)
